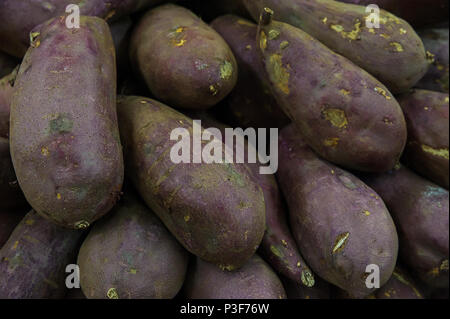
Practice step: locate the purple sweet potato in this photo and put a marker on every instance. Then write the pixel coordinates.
(321, 289)
(8, 221)
(65, 142)
(278, 246)
(427, 118)
(327, 97)
(6, 92)
(420, 211)
(216, 211)
(255, 280)
(18, 17)
(399, 286)
(33, 261)
(416, 12)
(184, 62)
(251, 103)
(340, 225)
(11, 196)
(436, 42)
(7, 64)
(393, 53)
(130, 254)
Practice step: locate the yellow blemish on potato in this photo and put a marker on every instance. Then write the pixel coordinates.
(344, 92)
(110, 14)
(299, 264)
(351, 35)
(33, 37)
(332, 172)
(58, 196)
(16, 243)
(187, 218)
(387, 120)
(440, 152)
(366, 212)
(278, 73)
(213, 90)
(324, 20)
(382, 92)
(226, 70)
(397, 166)
(112, 293)
(397, 46)
(406, 282)
(45, 151)
(248, 47)
(430, 57)
(29, 222)
(340, 242)
(372, 30)
(180, 43)
(133, 271)
(402, 31)
(179, 30)
(82, 224)
(226, 267)
(273, 34)
(307, 278)
(284, 45)
(331, 142)
(426, 108)
(434, 272)
(386, 36)
(444, 265)
(284, 243)
(244, 22)
(336, 117)
(143, 102)
(446, 100)
(263, 41)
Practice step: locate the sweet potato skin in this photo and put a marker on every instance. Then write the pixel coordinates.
(11, 196)
(399, 286)
(436, 42)
(184, 62)
(427, 118)
(218, 214)
(65, 143)
(420, 211)
(255, 280)
(327, 97)
(34, 259)
(416, 12)
(393, 53)
(251, 103)
(6, 92)
(17, 18)
(132, 235)
(339, 223)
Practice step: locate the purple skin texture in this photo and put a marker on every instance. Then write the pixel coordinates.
(420, 211)
(436, 43)
(19, 17)
(427, 118)
(328, 98)
(393, 53)
(216, 211)
(251, 103)
(64, 136)
(11, 196)
(399, 286)
(34, 259)
(184, 62)
(255, 280)
(339, 223)
(130, 254)
(416, 12)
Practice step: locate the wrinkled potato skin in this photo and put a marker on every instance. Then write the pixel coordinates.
(155, 264)
(255, 280)
(436, 42)
(427, 118)
(339, 223)
(65, 144)
(393, 53)
(33, 261)
(251, 103)
(184, 62)
(420, 211)
(344, 113)
(11, 196)
(19, 17)
(216, 211)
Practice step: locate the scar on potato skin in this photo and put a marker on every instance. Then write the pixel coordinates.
(331, 142)
(278, 73)
(441, 152)
(340, 242)
(351, 35)
(336, 117)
